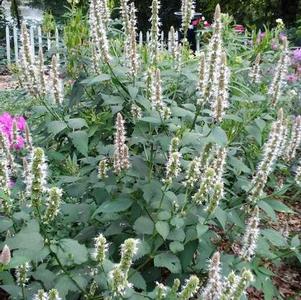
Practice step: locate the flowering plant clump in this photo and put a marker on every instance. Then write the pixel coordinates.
(13, 129)
(153, 172)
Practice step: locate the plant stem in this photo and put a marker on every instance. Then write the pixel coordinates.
(23, 292)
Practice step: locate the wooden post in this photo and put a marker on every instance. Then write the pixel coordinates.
(40, 38)
(147, 37)
(16, 46)
(8, 46)
(162, 40)
(169, 41)
(57, 39)
(140, 38)
(48, 41)
(177, 36)
(32, 42)
(197, 38)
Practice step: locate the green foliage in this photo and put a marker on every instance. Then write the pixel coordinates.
(176, 235)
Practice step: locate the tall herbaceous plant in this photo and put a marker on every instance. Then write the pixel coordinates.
(145, 170)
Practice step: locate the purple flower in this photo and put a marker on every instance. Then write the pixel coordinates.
(274, 45)
(282, 36)
(297, 55)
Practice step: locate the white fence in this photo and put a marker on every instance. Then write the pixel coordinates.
(166, 40)
(37, 41)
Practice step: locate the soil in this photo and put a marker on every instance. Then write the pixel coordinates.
(7, 82)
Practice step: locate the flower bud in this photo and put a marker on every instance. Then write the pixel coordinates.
(128, 250)
(54, 295)
(22, 274)
(102, 169)
(190, 288)
(5, 256)
(101, 247)
(53, 204)
(213, 290)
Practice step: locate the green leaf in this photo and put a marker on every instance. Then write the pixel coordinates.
(151, 120)
(5, 223)
(144, 225)
(275, 237)
(177, 235)
(26, 240)
(168, 261)
(279, 206)
(295, 242)
(97, 79)
(56, 127)
(176, 246)
(12, 290)
(113, 206)
(187, 255)
(77, 123)
(71, 252)
(44, 275)
(219, 136)
(239, 165)
(137, 280)
(201, 229)
(80, 141)
(221, 216)
(152, 191)
(64, 285)
(143, 249)
(268, 210)
(164, 215)
(163, 229)
(177, 222)
(112, 100)
(254, 132)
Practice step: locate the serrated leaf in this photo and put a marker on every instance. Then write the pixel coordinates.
(176, 246)
(113, 206)
(201, 229)
(56, 127)
(267, 209)
(274, 237)
(71, 252)
(169, 261)
(144, 225)
(97, 79)
(77, 123)
(80, 141)
(219, 136)
(5, 223)
(137, 280)
(279, 206)
(163, 229)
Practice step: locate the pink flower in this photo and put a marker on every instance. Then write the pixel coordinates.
(20, 144)
(7, 126)
(207, 24)
(291, 78)
(21, 123)
(239, 28)
(196, 22)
